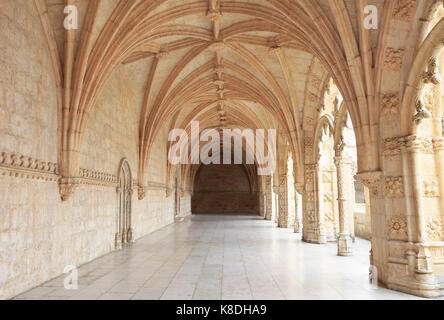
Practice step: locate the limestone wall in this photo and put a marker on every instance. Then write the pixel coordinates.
(39, 234)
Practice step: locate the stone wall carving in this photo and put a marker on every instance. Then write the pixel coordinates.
(421, 144)
(430, 188)
(397, 228)
(404, 10)
(390, 103)
(20, 166)
(371, 180)
(394, 187)
(393, 58)
(434, 229)
(391, 147)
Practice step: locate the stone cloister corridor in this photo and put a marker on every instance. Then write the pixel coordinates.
(222, 257)
(222, 149)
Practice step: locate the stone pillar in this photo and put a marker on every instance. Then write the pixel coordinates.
(414, 151)
(262, 204)
(343, 169)
(283, 202)
(299, 191)
(275, 204)
(313, 231)
(268, 199)
(373, 181)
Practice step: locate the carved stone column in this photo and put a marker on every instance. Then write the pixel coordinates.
(300, 191)
(262, 204)
(313, 230)
(343, 169)
(283, 202)
(414, 150)
(275, 204)
(268, 199)
(372, 180)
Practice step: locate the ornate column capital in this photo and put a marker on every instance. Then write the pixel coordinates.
(371, 179)
(67, 187)
(141, 192)
(300, 188)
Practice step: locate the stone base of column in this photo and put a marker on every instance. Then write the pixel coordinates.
(416, 287)
(315, 235)
(345, 247)
(118, 241)
(298, 226)
(283, 224)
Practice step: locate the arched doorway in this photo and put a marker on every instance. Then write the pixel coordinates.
(124, 232)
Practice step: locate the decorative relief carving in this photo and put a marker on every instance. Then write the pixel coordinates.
(311, 216)
(391, 147)
(316, 82)
(97, 178)
(390, 103)
(413, 142)
(309, 173)
(432, 74)
(394, 187)
(434, 229)
(20, 166)
(141, 192)
(308, 142)
(326, 177)
(430, 188)
(371, 180)
(310, 196)
(328, 196)
(404, 10)
(397, 228)
(67, 186)
(312, 97)
(422, 112)
(393, 58)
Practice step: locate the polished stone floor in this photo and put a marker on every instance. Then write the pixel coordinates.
(222, 257)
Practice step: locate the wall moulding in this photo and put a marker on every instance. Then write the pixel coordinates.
(20, 166)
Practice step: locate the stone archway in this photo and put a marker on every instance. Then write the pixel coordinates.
(124, 232)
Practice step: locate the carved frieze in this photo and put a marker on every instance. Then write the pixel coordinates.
(421, 144)
(391, 147)
(20, 166)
